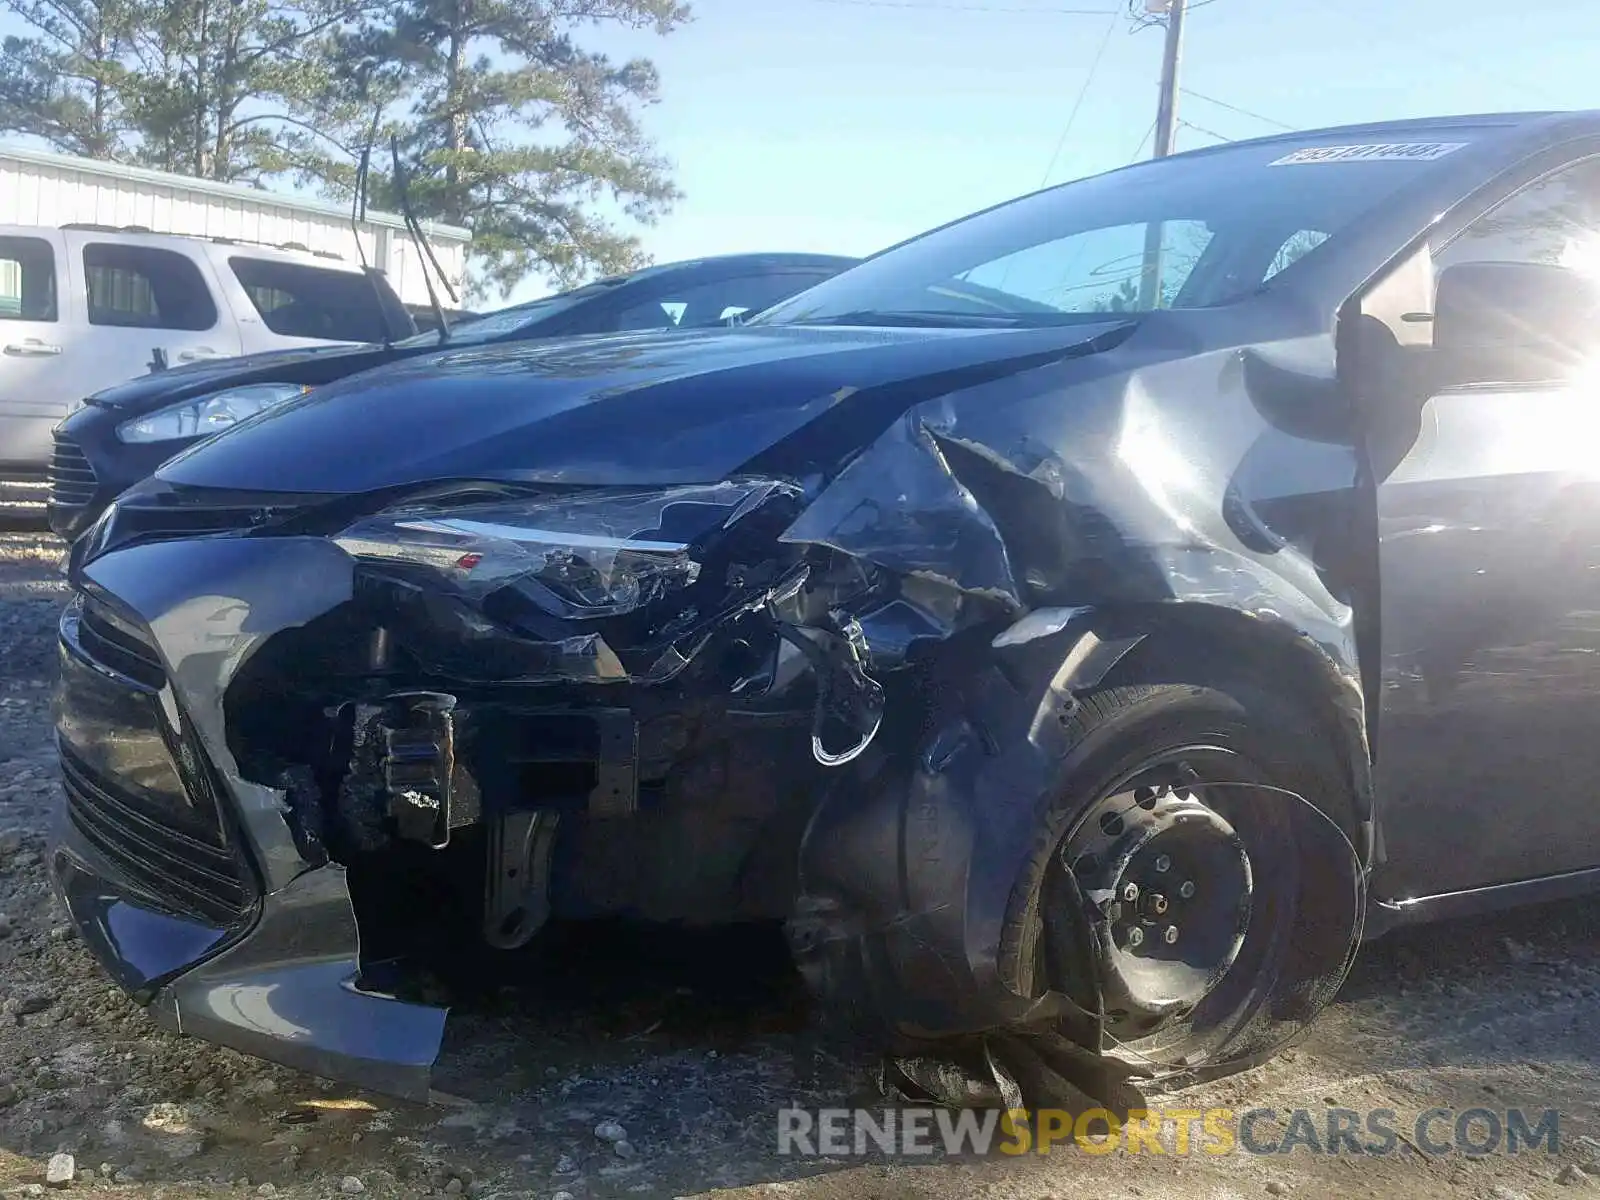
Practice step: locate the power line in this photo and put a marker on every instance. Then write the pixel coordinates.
(1147, 20)
(936, 5)
(1139, 149)
(1083, 93)
(1202, 129)
(1243, 112)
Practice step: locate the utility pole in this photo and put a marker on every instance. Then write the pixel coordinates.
(1167, 112)
(1166, 136)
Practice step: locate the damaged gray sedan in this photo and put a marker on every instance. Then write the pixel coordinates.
(1079, 624)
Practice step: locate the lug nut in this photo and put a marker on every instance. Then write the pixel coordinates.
(1136, 936)
(1130, 892)
(1186, 889)
(1171, 935)
(1158, 903)
(1163, 863)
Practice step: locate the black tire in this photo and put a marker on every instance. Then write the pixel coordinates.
(1167, 703)
(1120, 726)
(889, 954)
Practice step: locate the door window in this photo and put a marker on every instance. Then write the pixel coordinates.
(1293, 250)
(137, 287)
(1554, 220)
(303, 301)
(715, 301)
(27, 279)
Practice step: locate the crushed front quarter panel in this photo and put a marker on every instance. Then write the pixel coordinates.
(1060, 501)
(1173, 483)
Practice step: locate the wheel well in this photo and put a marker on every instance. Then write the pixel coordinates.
(1183, 642)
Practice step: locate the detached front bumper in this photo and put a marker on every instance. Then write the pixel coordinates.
(184, 878)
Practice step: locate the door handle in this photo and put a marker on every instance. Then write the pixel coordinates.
(198, 354)
(31, 348)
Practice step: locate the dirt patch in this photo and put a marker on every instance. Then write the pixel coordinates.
(626, 1062)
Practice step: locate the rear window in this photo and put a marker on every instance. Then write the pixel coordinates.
(136, 287)
(302, 301)
(714, 301)
(27, 279)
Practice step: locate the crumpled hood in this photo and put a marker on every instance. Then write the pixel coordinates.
(270, 366)
(642, 408)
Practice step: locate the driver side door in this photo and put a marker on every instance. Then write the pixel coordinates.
(1488, 519)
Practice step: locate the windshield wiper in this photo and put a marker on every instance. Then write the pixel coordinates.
(358, 214)
(424, 248)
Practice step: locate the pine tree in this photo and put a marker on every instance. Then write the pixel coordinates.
(67, 82)
(509, 126)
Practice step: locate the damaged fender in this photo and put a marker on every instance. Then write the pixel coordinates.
(1072, 524)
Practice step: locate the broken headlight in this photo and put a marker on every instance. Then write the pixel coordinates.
(588, 555)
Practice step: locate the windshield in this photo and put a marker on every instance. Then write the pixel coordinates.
(492, 327)
(1192, 231)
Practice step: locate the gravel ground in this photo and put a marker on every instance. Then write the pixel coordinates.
(691, 1045)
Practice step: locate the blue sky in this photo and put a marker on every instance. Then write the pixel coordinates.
(846, 125)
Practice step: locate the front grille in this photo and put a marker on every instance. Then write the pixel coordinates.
(191, 875)
(119, 644)
(72, 478)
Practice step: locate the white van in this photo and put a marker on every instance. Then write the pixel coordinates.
(84, 307)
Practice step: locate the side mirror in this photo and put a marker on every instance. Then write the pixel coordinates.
(1303, 398)
(1510, 321)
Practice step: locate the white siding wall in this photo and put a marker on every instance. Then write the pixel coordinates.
(53, 190)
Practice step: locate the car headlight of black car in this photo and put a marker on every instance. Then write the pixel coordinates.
(581, 556)
(205, 415)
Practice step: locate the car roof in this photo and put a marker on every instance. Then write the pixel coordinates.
(1545, 124)
(762, 261)
(135, 236)
(1411, 126)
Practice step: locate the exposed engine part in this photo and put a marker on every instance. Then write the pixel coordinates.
(419, 760)
(517, 878)
(847, 697)
(616, 772)
(403, 770)
(380, 649)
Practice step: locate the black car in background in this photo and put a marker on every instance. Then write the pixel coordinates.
(122, 434)
(427, 320)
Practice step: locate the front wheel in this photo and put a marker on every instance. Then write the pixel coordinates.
(1158, 871)
(1216, 896)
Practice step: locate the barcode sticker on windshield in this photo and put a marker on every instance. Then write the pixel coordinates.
(1379, 152)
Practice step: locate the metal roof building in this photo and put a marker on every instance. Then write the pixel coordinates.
(39, 188)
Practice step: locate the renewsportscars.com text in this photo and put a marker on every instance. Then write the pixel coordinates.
(915, 1132)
